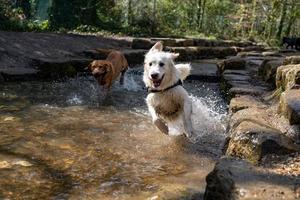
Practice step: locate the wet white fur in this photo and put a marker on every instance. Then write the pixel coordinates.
(182, 124)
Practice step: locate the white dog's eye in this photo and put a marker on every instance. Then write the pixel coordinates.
(150, 64)
(161, 64)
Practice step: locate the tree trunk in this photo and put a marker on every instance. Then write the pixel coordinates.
(253, 20)
(153, 23)
(202, 14)
(292, 19)
(129, 12)
(282, 19)
(198, 14)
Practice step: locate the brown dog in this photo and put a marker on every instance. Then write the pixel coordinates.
(106, 71)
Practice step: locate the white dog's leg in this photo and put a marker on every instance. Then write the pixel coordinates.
(158, 122)
(188, 126)
(176, 126)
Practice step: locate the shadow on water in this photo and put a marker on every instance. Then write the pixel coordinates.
(95, 151)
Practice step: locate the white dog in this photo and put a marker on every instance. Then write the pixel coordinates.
(168, 102)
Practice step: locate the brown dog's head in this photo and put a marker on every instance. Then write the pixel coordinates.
(101, 70)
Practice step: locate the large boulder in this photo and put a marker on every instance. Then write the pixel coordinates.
(233, 179)
(255, 132)
(289, 105)
(288, 77)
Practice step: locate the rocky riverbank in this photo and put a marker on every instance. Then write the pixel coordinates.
(262, 149)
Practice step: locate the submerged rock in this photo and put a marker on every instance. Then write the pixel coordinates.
(233, 179)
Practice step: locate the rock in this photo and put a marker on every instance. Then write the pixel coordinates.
(291, 60)
(18, 73)
(236, 63)
(289, 105)
(204, 71)
(251, 140)
(94, 54)
(287, 51)
(57, 68)
(288, 77)
(185, 53)
(20, 50)
(202, 43)
(142, 43)
(233, 179)
(246, 90)
(253, 48)
(268, 69)
(220, 184)
(1, 78)
(135, 56)
(166, 41)
(271, 54)
(236, 77)
(184, 42)
(249, 54)
(236, 72)
(244, 102)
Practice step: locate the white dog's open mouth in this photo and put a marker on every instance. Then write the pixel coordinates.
(157, 82)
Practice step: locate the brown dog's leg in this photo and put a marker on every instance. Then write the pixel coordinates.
(122, 77)
(161, 126)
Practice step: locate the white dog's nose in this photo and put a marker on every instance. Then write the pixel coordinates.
(154, 75)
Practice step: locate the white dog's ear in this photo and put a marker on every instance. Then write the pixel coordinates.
(157, 47)
(174, 55)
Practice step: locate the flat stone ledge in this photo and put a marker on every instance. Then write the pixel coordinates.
(204, 71)
(244, 102)
(234, 179)
(291, 60)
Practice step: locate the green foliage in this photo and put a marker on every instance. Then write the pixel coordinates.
(37, 25)
(226, 19)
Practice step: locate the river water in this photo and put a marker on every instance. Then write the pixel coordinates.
(57, 141)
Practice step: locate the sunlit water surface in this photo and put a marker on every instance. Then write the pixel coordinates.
(57, 141)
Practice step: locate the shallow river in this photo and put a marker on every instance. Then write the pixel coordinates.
(58, 142)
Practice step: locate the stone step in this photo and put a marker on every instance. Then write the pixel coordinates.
(204, 71)
(194, 52)
(147, 43)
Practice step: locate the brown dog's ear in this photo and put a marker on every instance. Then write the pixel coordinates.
(157, 47)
